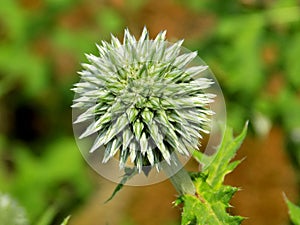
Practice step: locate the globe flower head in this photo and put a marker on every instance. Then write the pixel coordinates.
(143, 100)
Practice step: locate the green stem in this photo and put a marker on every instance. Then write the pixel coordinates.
(179, 177)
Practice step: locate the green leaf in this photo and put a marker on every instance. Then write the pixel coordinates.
(129, 173)
(294, 211)
(291, 60)
(31, 171)
(220, 164)
(210, 203)
(207, 211)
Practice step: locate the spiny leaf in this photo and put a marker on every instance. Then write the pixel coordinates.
(205, 213)
(218, 165)
(209, 205)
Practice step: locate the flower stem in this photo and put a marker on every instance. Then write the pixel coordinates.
(179, 177)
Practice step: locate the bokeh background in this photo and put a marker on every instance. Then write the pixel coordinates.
(253, 48)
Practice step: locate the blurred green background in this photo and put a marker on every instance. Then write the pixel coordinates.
(252, 46)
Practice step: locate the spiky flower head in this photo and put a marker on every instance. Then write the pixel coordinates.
(144, 100)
